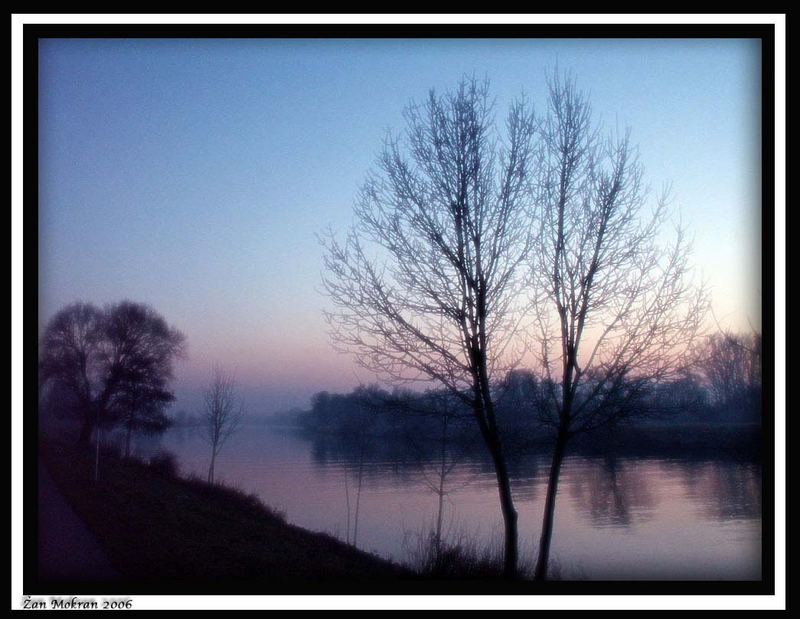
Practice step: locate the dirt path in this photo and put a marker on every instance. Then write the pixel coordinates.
(67, 549)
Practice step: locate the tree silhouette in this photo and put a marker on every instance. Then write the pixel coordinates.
(614, 312)
(730, 363)
(116, 363)
(223, 413)
(138, 350)
(69, 361)
(425, 283)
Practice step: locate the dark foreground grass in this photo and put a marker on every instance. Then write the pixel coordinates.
(158, 527)
(458, 558)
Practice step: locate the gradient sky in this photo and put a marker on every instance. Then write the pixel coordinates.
(194, 174)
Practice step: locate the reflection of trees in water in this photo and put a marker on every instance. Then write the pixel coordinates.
(525, 472)
(375, 457)
(404, 462)
(614, 490)
(611, 492)
(404, 459)
(722, 490)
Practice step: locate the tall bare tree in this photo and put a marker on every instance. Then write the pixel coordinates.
(613, 310)
(426, 282)
(223, 413)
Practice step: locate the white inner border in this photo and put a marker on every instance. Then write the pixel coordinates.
(778, 601)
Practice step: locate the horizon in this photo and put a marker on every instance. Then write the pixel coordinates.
(193, 175)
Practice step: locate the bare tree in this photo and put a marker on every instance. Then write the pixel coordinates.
(449, 415)
(223, 413)
(426, 282)
(360, 478)
(364, 421)
(613, 310)
(730, 365)
(451, 440)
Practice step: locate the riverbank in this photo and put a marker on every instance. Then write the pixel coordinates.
(163, 530)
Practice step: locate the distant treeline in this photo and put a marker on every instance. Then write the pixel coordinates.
(722, 386)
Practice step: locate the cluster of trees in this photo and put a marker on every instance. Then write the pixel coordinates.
(730, 365)
(432, 431)
(469, 241)
(109, 366)
(112, 367)
(372, 411)
(723, 384)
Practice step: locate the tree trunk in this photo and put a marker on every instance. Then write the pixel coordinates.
(506, 504)
(442, 475)
(509, 519)
(549, 507)
(438, 539)
(347, 500)
(129, 431)
(506, 500)
(358, 497)
(211, 467)
(97, 453)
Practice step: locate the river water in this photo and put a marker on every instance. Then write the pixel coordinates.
(616, 517)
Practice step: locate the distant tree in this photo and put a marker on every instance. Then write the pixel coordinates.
(613, 311)
(223, 413)
(70, 364)
(357, 420)
(683, 397)
(138, 349)
(319, 403)
(516, 395)
(730, 364)
(425, 283)
(116, 363)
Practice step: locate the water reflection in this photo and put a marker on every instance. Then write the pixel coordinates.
(612, 492)
(620, 515)
(722, 492)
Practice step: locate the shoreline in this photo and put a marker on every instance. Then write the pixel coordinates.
(161, 529)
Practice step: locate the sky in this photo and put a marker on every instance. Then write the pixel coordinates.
(194, 175)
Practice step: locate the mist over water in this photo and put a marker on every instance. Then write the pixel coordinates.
(620, 517)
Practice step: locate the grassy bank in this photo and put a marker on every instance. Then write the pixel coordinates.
(160, 528)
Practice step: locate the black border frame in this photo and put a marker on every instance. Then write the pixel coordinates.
(31, 35)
